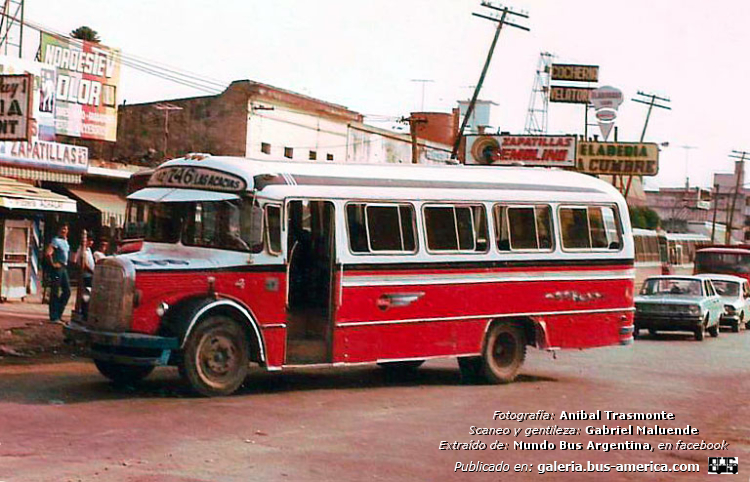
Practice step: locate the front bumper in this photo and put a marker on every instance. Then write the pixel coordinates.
(729, 320)
(670, 322)
(125, 348)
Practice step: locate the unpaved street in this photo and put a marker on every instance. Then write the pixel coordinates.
(61, 421)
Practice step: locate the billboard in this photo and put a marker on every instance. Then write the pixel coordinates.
(557, 151)
(575, 73)
(16, 108)
(85, 88)
(618, 158)
(43, 98)
(570, 95)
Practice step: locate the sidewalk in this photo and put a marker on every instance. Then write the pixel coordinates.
(25, 330)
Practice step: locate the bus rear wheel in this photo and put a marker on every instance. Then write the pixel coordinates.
(216, 359)
(122, 374)
(504, 353)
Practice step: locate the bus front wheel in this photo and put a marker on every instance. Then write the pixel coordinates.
(216, 359)
(504, 353)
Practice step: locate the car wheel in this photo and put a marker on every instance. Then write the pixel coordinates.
(713, 330)
(700, 332)
(504, 353)
(636, 331)
(736, 327)
(123, 374)
(216, 357)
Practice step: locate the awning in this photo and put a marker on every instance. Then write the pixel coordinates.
(169, 194)
(110, 204)
(19, 195)
(40, 175)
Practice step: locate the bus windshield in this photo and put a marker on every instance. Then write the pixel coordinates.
(231, 225)
(726, 263)
(136, 218)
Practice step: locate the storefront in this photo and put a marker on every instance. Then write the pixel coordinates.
(25, 212)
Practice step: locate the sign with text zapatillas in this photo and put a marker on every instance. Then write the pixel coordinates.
(618, 158)
(548, 151)
(86, 86)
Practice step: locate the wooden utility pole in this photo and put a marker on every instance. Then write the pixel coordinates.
(738, 183)
(500, 22)
(651, 103)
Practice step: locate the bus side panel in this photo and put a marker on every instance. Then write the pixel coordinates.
(275, 345)
(580, 312)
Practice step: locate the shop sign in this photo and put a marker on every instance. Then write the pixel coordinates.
(575, 73)
(196, 178)
(16, 95)
(618, 158)
(527, 150)
(606, 100)
(85, 86)
(570, 95)
(38, 204)
(43, 93)
(44, 155)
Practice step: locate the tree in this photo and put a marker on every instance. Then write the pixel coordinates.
(86, 33)
(643, 217)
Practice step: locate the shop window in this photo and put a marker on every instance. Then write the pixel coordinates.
(265, 147)
(289, 152)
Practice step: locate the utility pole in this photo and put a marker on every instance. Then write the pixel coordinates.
(738, 182)
(166, 108)
(716, 206)
(653, 101)
(500, 22)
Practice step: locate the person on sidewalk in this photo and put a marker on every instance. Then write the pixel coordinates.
(103, 250)
(86, 260)
(57, 254)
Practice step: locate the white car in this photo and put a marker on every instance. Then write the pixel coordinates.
(735, 293)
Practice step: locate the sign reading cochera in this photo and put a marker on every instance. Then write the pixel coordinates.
(196, 178)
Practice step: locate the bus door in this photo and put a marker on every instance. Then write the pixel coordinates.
(311, 258)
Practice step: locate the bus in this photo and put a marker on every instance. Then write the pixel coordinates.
(724, 259)
(280, 264)
(648, 258)
(136, 214)
(679, 250)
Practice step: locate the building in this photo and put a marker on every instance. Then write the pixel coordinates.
(251, 119)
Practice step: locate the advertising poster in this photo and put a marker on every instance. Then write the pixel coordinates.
(86, 87)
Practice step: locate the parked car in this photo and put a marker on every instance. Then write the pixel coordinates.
(735, 294)
(678, 303)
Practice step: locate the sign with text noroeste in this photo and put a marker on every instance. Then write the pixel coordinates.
(618, 158)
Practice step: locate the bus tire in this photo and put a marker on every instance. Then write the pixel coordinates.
(215, 362)
(503, 354)
(401, 366)
(121, 374)
(470, 368)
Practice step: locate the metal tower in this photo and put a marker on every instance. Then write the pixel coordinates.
(11, 27)
(536, 117)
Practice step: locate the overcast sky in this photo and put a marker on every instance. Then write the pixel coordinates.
(365, 55)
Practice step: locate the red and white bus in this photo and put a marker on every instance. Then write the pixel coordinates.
(283, 264)
(724, 259)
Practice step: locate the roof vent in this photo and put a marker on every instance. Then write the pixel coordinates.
(197, 156)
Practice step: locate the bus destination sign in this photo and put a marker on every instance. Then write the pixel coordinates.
(618, 158)
(196, 178)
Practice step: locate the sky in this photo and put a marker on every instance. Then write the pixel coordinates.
(365, 55)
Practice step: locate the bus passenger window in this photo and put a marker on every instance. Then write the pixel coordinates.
(523, 227)
(574, 226)
(456, 228)
(381, 228)
(544, 226)
(273, 228)
(501, 228)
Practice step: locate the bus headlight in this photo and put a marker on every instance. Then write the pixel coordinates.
(162, 309)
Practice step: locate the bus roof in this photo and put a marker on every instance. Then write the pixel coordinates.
(284, 178)
(725, 250)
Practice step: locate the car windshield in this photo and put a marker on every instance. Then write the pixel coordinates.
(671, 286)
(232, 225)
(727, 288)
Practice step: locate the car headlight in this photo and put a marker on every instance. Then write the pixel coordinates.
(694, 310)
(730, 310)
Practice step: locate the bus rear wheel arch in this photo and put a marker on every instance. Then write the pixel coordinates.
(503, 354)
(216, 356)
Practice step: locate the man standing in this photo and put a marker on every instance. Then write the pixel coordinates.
(57, 254)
